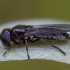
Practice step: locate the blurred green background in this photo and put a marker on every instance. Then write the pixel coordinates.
(11, 10)
(23, 9)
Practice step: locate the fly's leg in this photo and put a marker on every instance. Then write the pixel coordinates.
(26, 44)
(7, 50)
(33, 41)
(54, 46)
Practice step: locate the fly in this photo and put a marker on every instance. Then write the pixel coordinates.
(33, 33)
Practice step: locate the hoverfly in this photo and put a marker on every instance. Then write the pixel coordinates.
(33, 33)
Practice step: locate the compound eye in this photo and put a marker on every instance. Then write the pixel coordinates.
(5, 37)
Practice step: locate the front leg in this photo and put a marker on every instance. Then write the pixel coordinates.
(7, 50)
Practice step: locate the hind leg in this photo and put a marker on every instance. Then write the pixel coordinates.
(54, 46)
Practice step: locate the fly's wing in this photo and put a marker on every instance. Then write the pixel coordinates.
(52, 28)
(55, 31)
(64, 27)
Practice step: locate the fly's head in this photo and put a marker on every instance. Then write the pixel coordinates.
(5, 37)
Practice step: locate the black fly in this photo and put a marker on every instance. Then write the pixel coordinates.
(26, 33)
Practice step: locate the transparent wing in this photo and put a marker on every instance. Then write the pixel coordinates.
(52, 28)
(48, 29)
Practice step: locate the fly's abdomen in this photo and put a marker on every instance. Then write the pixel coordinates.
(53, 36)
